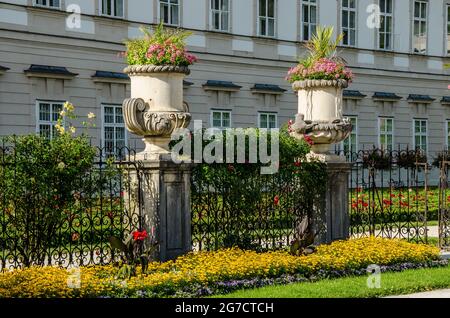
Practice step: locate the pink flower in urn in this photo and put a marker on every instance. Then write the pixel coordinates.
(321, 69)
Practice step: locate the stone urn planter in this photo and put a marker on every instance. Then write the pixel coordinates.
(320, 114)
(156, 107)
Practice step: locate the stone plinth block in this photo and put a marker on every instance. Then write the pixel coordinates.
(337, 217)
(165, 199)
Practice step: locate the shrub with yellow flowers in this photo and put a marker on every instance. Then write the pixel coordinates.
(205, 273)
(39, 176)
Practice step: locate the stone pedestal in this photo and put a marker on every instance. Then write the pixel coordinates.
(155, 110)
(336, 214)
(320, 122)
(165, 198)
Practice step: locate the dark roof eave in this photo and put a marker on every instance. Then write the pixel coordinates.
(386, 96)
(420, 98)
(111, 75)
(221, 85)
(353, 94)
(50, 70)
(269, 88)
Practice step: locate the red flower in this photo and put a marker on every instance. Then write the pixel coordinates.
(140, 236)
(75, 237)
(309, 140)
(297, 164)
(276, 200)
(365, 204)
(387, 202)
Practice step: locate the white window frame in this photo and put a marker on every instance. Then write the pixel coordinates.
(356, 135)
(113, 4)
(169, 17)
(47, 5)
(309, 4)
(385, 15)
(267, 114)
(386, 133)
(221, 111)
(220, 12)
(420, 134)
(113, 125)
(447, 32)
(50, 122)
(267, 18)
(349, 10)
(420, 19)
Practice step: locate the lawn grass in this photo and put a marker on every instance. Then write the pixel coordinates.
(407, 282)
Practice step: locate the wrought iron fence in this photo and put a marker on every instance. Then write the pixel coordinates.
(57, 218)
(234, 205)
(390, 194)
(444, 202)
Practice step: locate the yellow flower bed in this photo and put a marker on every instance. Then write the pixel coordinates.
(209, 267)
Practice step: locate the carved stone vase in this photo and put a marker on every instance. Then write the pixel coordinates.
(320, 118)
(320, 115)
(162, 187)
(156, 107)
